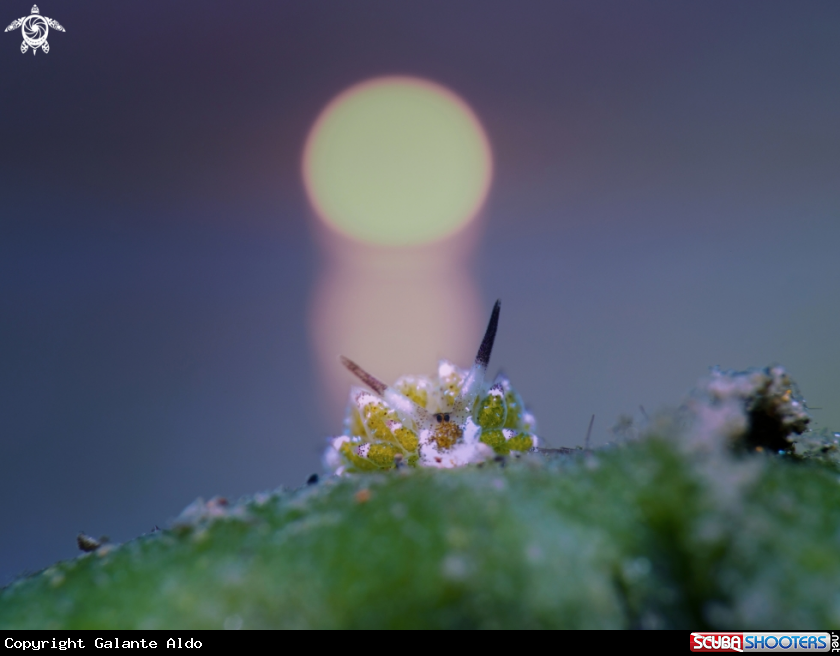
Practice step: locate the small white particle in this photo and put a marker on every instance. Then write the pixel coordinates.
(233, 623)
(534, 553)
(455, 567)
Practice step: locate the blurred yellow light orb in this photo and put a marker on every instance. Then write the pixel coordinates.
(397, 161)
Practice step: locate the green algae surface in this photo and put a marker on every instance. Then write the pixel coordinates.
(643, 535)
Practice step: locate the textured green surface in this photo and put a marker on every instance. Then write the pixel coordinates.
(643, 535)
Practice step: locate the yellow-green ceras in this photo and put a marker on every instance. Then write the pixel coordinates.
(448, 420)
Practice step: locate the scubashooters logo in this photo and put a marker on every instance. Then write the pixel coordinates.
(35, 29)
(789, 641)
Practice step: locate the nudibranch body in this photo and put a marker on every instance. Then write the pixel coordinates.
(448, 420)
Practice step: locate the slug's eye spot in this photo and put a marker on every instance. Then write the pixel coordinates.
(446, 417)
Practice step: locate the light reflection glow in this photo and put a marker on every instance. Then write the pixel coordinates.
(397, 161)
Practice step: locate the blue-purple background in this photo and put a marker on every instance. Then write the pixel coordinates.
(665, 199)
